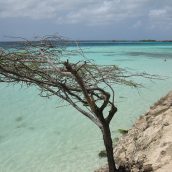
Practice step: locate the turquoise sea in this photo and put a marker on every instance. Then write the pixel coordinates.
(36, 136)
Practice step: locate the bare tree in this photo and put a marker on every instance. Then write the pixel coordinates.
(82, 84)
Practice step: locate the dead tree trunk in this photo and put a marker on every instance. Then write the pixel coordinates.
(109, 147)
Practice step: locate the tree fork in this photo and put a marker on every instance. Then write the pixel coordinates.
(76, 83)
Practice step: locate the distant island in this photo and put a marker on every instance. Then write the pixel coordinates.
(144, 40)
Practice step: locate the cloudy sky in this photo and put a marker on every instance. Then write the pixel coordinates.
(86, 19)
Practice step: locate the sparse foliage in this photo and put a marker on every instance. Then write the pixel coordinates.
(84, 85)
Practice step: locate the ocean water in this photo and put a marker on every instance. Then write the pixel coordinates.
(37, 136)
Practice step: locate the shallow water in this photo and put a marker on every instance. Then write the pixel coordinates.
(36, 136)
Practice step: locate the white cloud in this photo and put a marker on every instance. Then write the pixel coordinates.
(157, 13)
(161, 18)
(60, 8)
(90, 12)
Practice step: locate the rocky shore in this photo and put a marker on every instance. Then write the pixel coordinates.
(148, 144)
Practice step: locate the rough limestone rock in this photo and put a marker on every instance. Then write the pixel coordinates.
(148, 145)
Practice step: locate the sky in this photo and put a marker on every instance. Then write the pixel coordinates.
(86, 19)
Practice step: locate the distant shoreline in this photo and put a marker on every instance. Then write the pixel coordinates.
(98, 41)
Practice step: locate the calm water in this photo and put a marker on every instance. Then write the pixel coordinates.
(37, 136)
